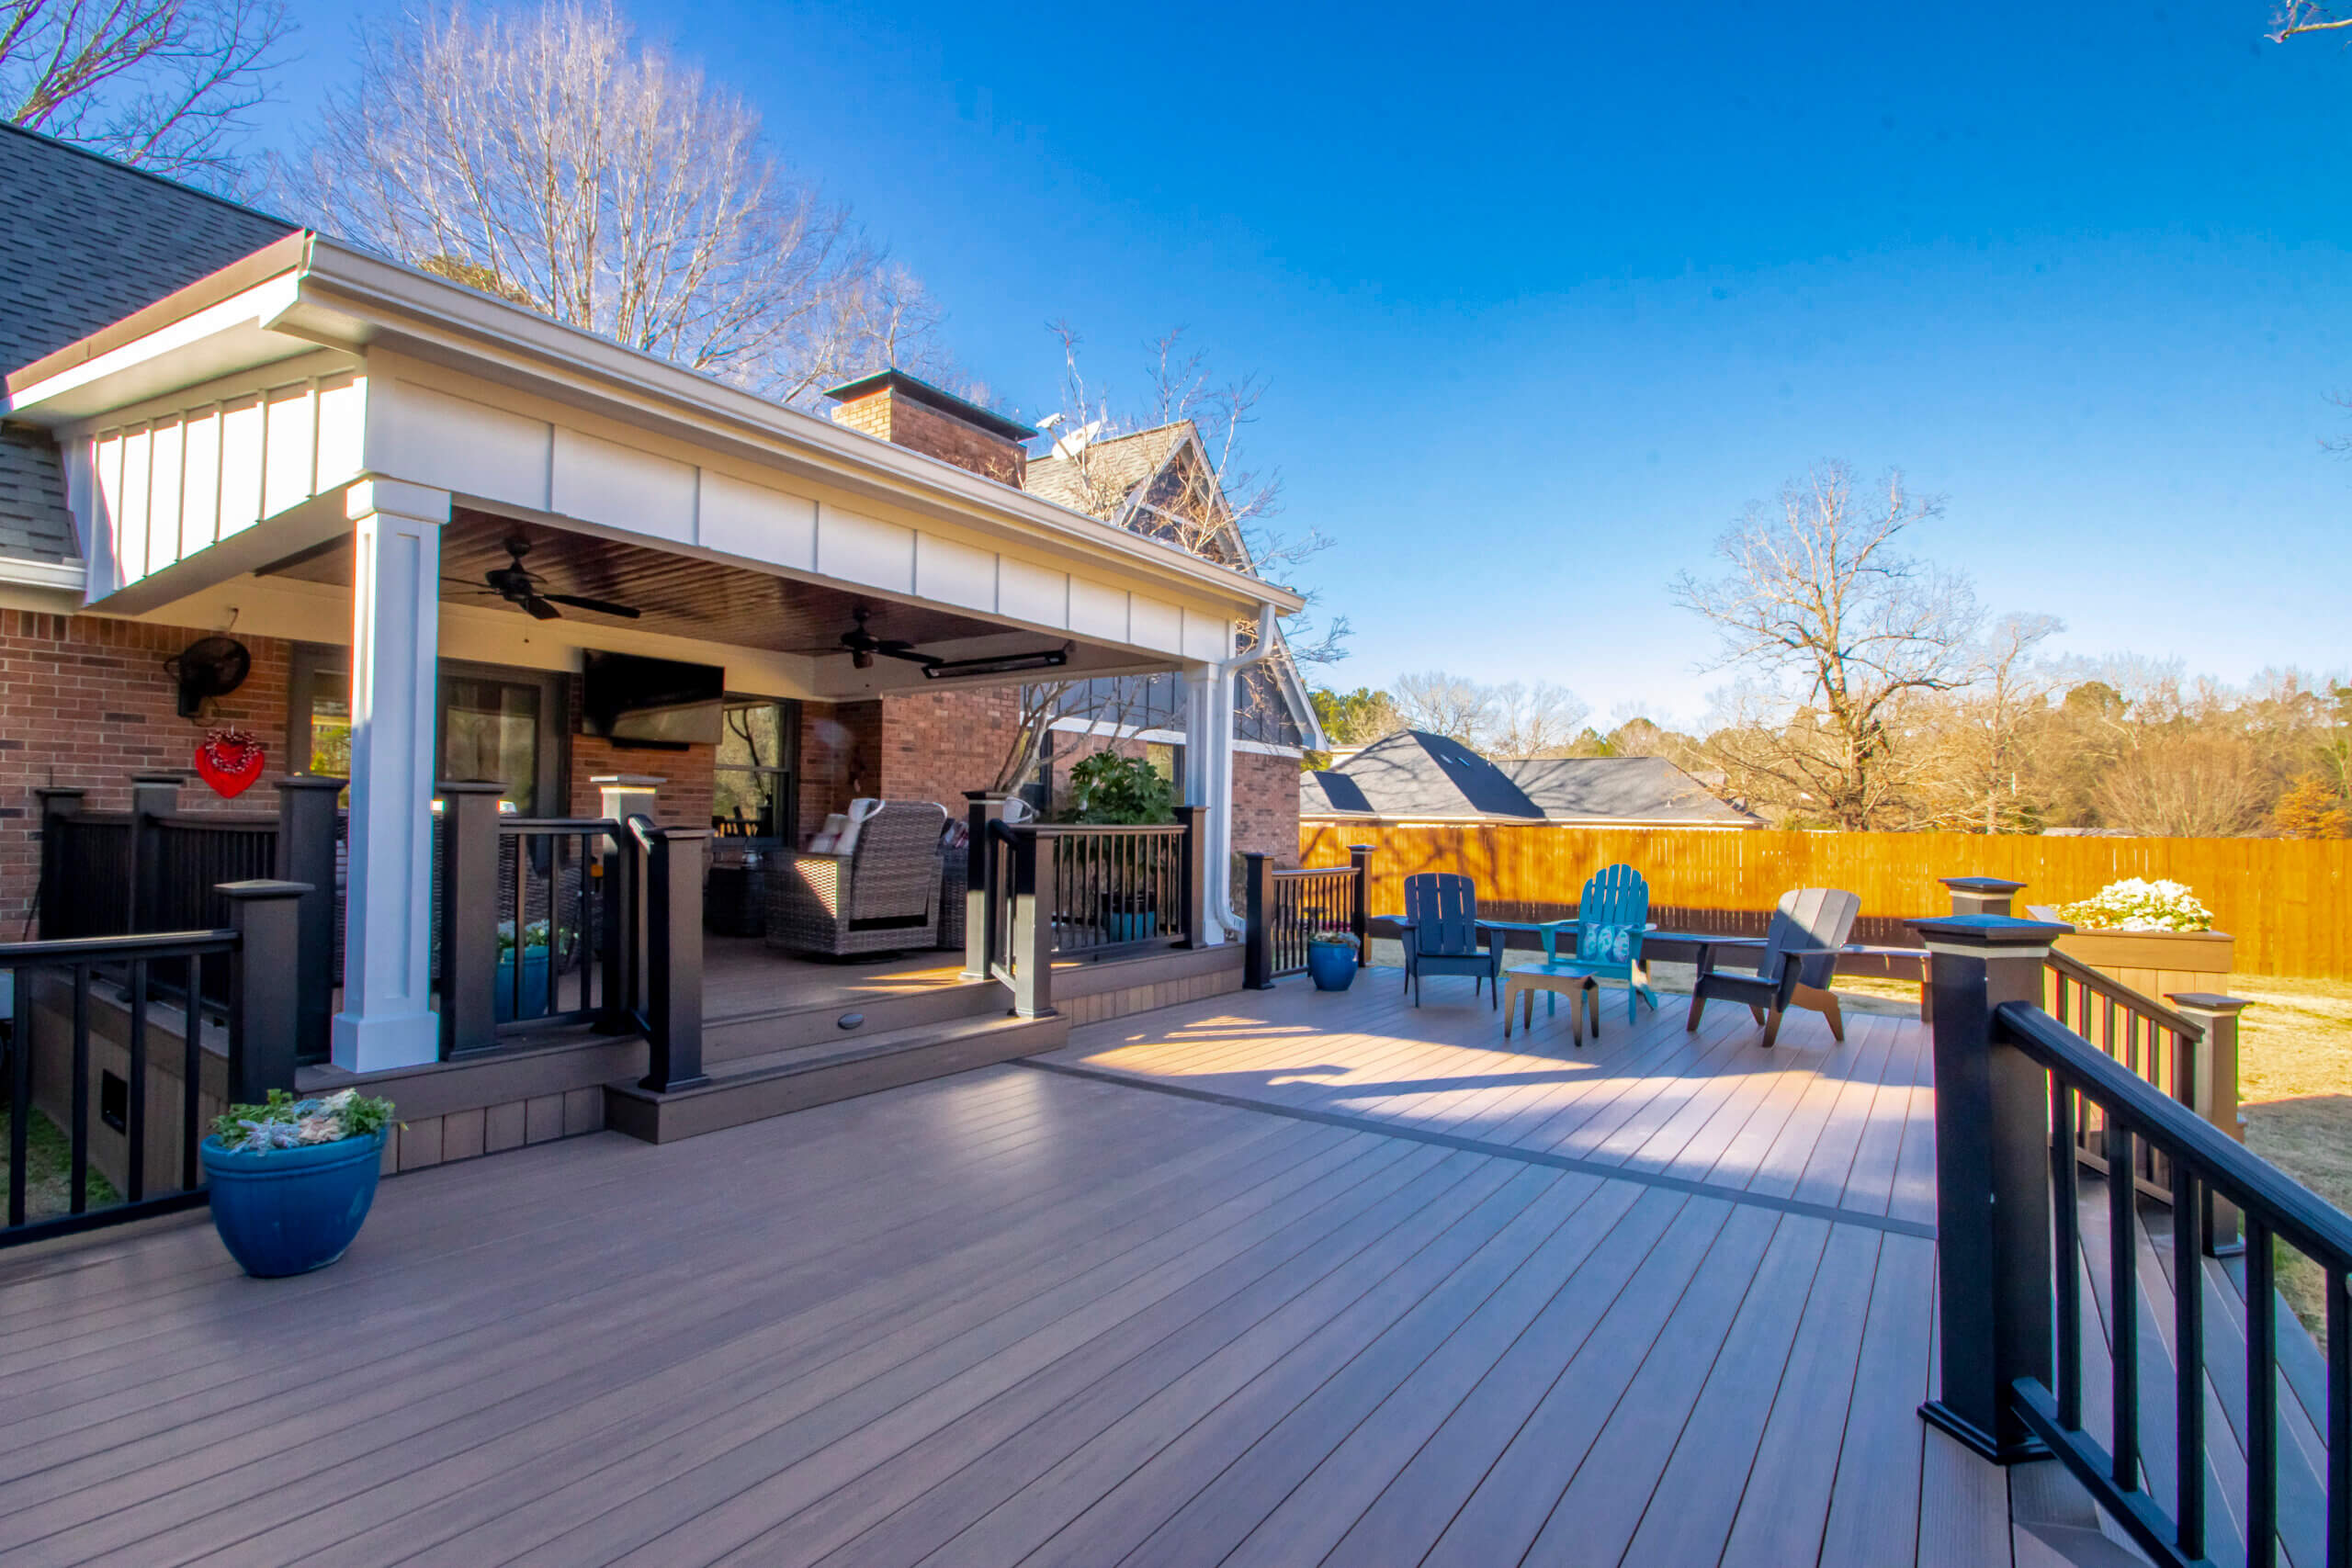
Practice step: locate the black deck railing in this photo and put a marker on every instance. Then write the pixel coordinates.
(102, 1052)
(1114, 885)
(1284, 910)
(2014, 1088)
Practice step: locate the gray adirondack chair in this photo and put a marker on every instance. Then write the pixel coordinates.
(1795, 963)
(1442, 935)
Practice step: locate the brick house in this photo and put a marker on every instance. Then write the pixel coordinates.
(219, 425)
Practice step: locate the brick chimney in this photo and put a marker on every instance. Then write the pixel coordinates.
(895, 407)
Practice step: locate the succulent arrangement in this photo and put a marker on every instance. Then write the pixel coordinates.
(282, 1122)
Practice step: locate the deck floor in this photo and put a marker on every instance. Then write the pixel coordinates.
(1280, 1278)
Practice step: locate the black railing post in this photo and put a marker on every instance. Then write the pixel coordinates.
(57, 804)
(265, 988)
(2214, 1095)
(469, 917)
(1360, 917)
(982, 808)
(674, 865)
(1258, 933)
(152, 795)
(622, 796)
(1992, 1181)
(1983, 894)
(1033, 927)
(306, 817)
(1191, 874)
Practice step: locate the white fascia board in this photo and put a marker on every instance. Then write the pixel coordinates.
(1099, 730)
(219, 340)
(352, 300)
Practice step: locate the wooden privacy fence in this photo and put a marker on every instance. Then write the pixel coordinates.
(2284, 899)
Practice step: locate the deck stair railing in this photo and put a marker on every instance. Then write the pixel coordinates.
(2013, 1088)
(98, 1051)
(1284, 910)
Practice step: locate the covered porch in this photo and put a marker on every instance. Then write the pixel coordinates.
(448, 510)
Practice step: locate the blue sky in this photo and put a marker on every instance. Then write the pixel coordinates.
(1545, 294)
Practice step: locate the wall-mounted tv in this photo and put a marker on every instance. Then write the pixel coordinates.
(651, 702)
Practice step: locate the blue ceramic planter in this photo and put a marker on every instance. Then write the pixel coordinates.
(290, 1210)
(535, 986)
(1134, 928)
(1332, 967)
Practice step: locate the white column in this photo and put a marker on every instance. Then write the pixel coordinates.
(1208, 783)
(386, 1018)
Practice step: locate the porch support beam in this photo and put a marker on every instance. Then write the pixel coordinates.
(1208, 785)
(388, 1020)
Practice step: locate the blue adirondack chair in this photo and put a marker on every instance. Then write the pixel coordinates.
(1610, 919)
(1442, 935)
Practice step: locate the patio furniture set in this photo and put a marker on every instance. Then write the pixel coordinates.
(1792, 963)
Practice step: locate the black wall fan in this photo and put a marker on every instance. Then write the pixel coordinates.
(208, 667)
(519, 586)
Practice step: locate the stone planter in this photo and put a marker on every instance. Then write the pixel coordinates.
(2155, 963)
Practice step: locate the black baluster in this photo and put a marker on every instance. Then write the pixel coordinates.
(191, 1074)
(2124, 1292)
(2339, 1423)
(135, 1113)
(2064, 1199)
(2261, 1401)
(79, 1175)
(20, 1090)
(2189, 1363)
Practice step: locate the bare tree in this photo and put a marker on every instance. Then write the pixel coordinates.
(1834, 627)
(164, 85)
(2293, 17)
(546, 155)
(1976, 776)
(1538, 720)
(1439, 704)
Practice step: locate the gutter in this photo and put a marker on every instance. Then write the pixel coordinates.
(68, 576)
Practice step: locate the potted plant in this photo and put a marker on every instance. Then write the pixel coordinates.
(534, 973)
(1131, 916)
(291, 1180)
(1331, 959)
(2155, 937)
(1109, 789)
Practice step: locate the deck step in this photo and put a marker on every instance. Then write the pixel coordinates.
(751, 1089)
(730, 1038)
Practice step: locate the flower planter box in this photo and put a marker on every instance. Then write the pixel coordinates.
(2155, 963)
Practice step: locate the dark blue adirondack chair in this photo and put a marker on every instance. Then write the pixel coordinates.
(1442, 935)
(1794, 965)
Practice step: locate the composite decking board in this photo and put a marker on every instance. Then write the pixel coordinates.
(636, 1422)
(1276, 1365)
(1351, 1474)
(1964, 1513)
(1782, 1507)
(727, 1501)
(1416, 1503)
(379, 1432)
(1688, 1513)
(1279, 1308)
(189, 1359)
(173, 1359)
(1311, 1400)
(507, 1216)
(1880, 1451)
(1508, 1509)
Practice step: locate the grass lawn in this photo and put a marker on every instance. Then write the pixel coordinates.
(48, 1192)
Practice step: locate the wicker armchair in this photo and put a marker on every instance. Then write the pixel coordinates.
(883, 897)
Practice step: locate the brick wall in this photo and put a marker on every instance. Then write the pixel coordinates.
(1265, 805)
(86, 703)
(682, 799)
(936, 745)
(841, 745)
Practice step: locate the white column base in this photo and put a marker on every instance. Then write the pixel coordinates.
(376, 1042)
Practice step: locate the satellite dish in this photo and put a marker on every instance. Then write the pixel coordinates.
(208, 667)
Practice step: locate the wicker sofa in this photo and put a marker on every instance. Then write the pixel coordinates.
(882, 896)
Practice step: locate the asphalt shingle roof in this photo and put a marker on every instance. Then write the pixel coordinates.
(1100, 480)
(84, 242)
(1413, 775)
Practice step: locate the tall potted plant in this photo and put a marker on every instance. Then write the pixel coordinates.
(1112, 790)
(292, 1179)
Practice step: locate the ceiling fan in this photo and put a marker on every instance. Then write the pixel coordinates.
(519, 586)
(862, 648)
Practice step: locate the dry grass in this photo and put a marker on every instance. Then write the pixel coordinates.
(2295, 1088)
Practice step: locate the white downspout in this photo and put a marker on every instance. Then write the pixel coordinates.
(1209, 768)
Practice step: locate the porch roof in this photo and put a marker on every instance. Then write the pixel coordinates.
(306, 293)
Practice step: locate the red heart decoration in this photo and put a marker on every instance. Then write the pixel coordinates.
(230, 761)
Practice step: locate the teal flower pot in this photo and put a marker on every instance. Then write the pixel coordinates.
(284, 1212)
(1331, 967)
(535, 986)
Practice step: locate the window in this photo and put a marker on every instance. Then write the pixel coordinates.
(493, 728)
(493, 723)
(754, 793)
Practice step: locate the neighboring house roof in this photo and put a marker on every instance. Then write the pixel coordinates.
(84, 242)
(1415, 776)
(1102, 479)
